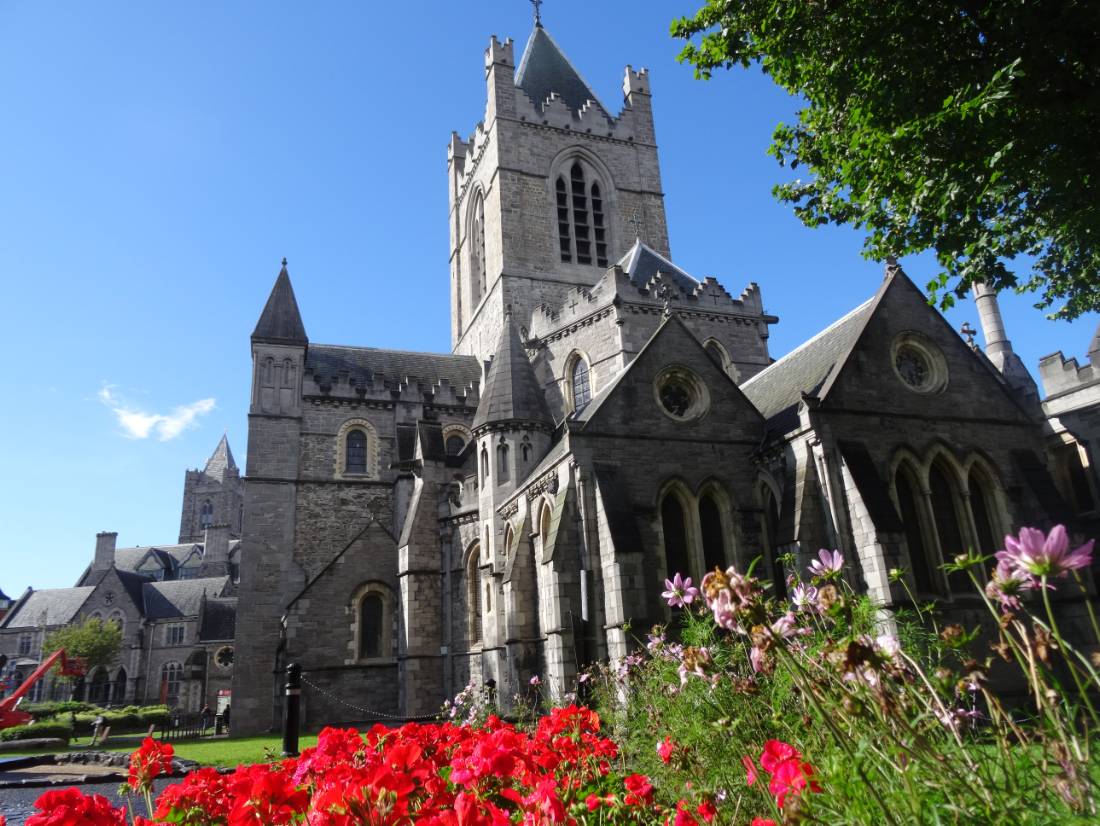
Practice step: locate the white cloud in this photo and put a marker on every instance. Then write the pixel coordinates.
(138, 424)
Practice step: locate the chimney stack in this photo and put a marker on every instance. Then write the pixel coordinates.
(215, 551)
(104, 550)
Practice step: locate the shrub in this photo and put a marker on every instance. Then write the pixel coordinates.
(131, 718)
(52, 728)
(885, 719)
(52, 709)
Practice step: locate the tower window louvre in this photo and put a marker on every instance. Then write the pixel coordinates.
(580, 215)
(563, 222)
(598, 227)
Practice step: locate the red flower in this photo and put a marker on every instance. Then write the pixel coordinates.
(665, 750)
(639, 790)
(791, 777)
(683, 816)
(762, 821)
(775, 752)
(71, 807)
(750, 770)
(151, 760)
(707, 811)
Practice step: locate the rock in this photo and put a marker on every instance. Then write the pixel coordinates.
(34, 743)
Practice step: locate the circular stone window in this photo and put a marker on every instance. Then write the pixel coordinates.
(224, 657)
(681, 394)
(918, 363)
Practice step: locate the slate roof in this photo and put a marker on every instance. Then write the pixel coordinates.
(220, 460)
(219, 619)
(395, 365)
(280, 321)
(809, 367)
(544, 68)
(511, 391)
(4, 597)
(641, 264)
(59, 605)
(180, 598)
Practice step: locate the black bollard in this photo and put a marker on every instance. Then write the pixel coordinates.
(292, 715)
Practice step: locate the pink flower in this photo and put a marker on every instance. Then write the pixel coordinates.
(535, 681)
(827, 565)
(1035, 555)
(665, 749)
(679, 591)
(1006, 585)
(804, 598)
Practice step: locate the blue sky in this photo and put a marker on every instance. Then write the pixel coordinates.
(157, 160)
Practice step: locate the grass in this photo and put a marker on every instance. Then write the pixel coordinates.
(208, 752)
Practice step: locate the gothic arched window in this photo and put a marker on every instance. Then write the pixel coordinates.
(714, 542)
(580, 385)
(502, 463)
(484, 466)
(982, 508)
(771, 540)
(674, 528)
(370, 626)
(171, 676)
(355, 452)
(582, 232)
(206, 516)
(946, 518)
(525, 450)
(908, 491)
(477, 249)
(473, 595)
(455, 444)
(118, 688)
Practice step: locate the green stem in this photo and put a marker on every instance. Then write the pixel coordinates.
(1064, 647)
(841, 740)
(1088, 605)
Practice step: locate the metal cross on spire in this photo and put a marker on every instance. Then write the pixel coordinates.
(538, 12)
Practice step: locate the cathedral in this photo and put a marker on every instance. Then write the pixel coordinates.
(416, 521)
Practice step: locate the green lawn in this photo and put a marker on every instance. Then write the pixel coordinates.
(208, 752)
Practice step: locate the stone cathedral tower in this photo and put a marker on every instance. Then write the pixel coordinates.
(550, 189)
(415, 522)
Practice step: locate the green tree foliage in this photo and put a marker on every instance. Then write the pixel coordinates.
(94, 641)
(972, 129)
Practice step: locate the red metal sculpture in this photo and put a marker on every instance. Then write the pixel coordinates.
(9, 714)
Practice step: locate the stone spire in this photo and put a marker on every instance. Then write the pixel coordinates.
(221, 460)
(544, 69)
(280, 322)
(997, 346)
(511, 392)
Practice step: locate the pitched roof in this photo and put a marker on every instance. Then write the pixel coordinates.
(50, 606)
(364, 363)
(180, 598)
(544, 68)
(511, 392)
(220, 460)
(219, 619)
(641, 264)
(808, 367)
(280, 321)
